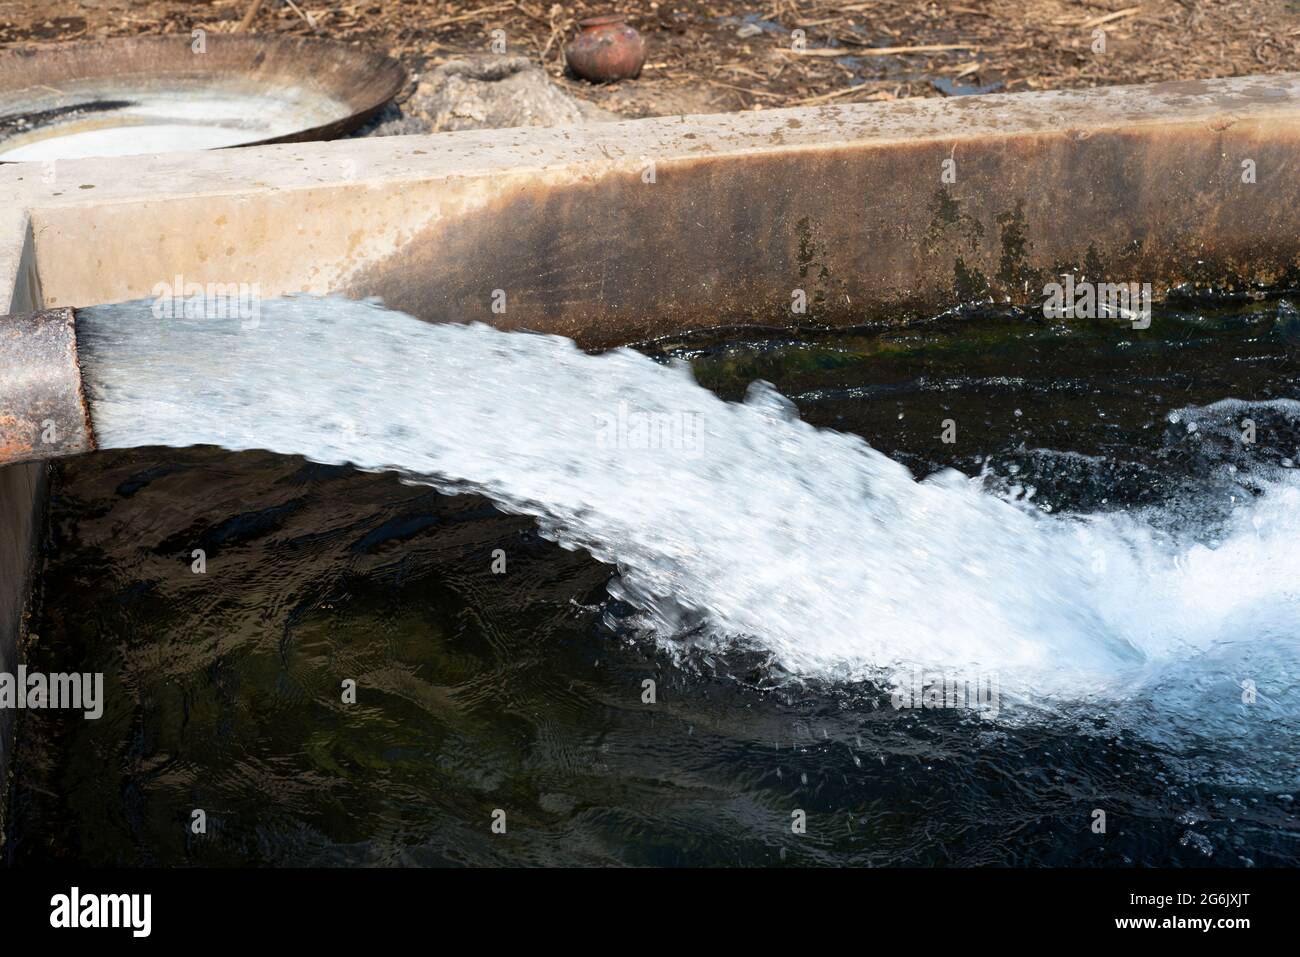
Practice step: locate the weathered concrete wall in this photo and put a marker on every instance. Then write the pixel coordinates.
(585, 238)
(21, 487)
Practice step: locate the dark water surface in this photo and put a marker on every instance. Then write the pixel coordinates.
(522, 692)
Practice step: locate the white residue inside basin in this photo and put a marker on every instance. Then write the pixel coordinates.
(162, 122)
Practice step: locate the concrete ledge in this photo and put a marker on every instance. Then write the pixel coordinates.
(849, 204)
(22, 488)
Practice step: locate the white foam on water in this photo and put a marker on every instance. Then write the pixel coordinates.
(734, 521)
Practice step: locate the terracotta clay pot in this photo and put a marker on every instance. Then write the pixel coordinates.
(606, 49)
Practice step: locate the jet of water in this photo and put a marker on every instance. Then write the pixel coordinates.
(734, 522)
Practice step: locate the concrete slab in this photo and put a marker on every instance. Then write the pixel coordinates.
(874, 211)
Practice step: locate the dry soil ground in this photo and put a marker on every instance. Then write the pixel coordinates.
(710, 56)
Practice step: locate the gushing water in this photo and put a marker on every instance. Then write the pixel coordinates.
(730, 523)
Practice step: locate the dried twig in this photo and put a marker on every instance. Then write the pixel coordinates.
(744, 89)
(250, 16)
(885, 51)
(473, 14)
(1107, 18)
(824, 97)
(307, 18)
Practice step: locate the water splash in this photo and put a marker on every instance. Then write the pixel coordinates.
(733, 523)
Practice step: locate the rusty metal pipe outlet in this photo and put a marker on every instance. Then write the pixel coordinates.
(43, 412)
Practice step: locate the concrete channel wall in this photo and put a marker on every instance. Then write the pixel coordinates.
(624, 231)
(21, 486)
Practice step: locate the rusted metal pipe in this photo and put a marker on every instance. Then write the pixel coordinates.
(43, 412)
